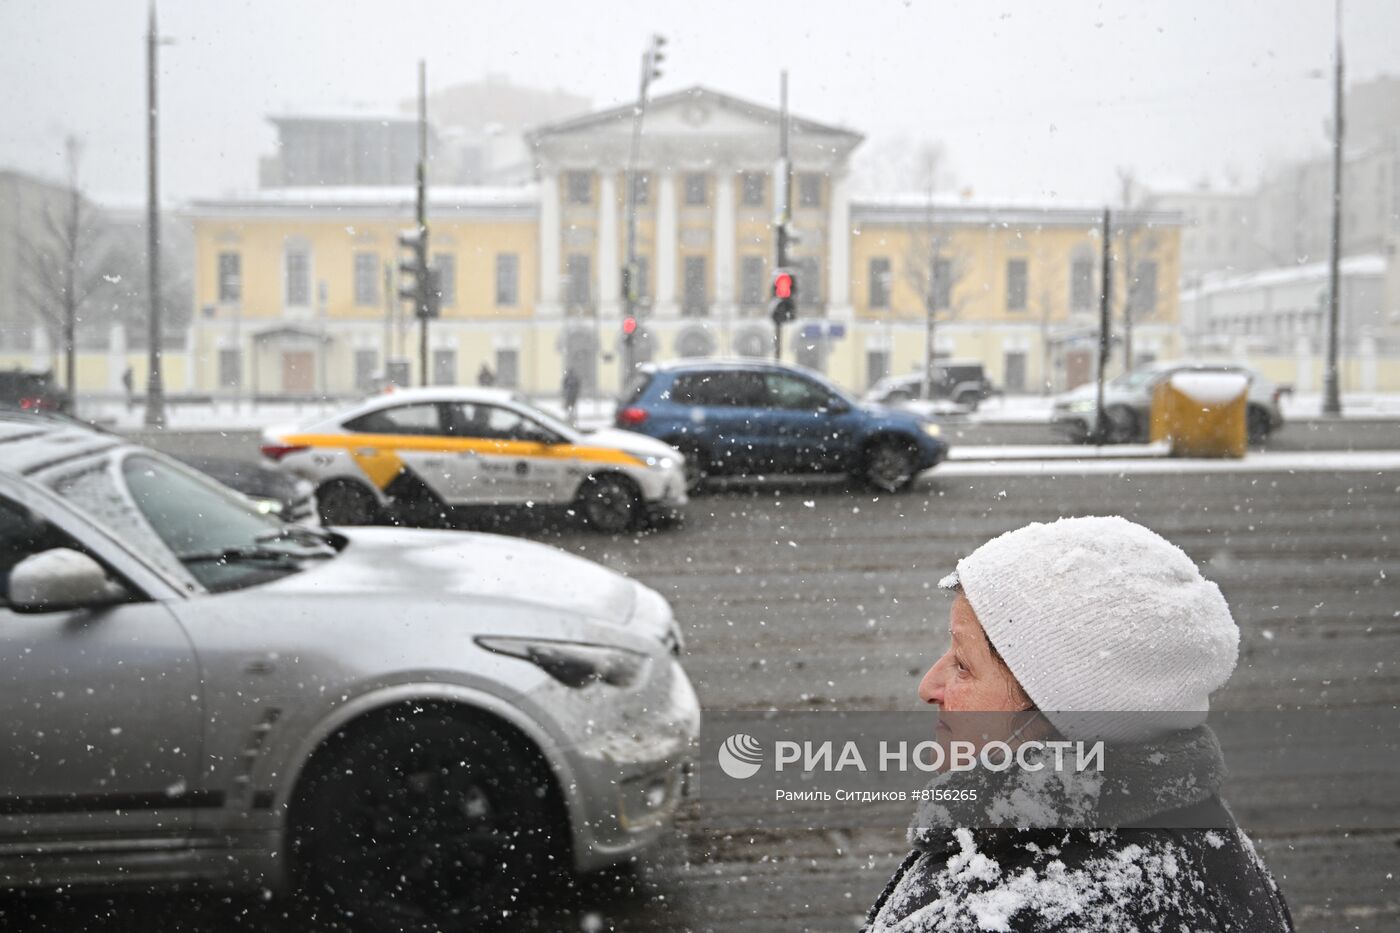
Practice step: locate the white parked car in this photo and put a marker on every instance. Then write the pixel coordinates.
(420, 452)
(419, 727)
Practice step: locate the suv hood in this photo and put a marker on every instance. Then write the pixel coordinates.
(427, 565)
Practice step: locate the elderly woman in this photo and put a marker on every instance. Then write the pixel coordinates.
(1086, 628)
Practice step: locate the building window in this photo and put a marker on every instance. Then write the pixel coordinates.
(230, 368)
(1081, 285)
(230, 278)
(1016, 284)
(577, 280)
(366, 362)
(507, 280)
(298, 278)
(444, 367)
(940, 290)
(877, 366)
(579, 187)
(445, 265)
(755, 189)
(809, 190)
(879, 283)
(809, 286)
(508, 368)
(696, 300)
(366, 279)
(697, 189)
(1142, 294)
(641, 188)
(751, 281)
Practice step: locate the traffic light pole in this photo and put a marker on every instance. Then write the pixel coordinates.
(651, 61)
(1331, 390)
(781, 233)
(155, 384)
(1105, 311)
(422, 216)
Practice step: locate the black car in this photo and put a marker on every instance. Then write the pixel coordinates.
(963, 383)
(29, 391)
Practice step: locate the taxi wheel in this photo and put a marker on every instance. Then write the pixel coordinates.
(610, 503)
(343, 503)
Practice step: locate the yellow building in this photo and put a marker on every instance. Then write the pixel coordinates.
(294, 287)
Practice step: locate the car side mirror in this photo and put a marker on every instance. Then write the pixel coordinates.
(60, 579)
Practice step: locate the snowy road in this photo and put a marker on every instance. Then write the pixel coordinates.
(817, 595)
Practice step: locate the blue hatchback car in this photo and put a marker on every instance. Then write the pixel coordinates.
(755, 417)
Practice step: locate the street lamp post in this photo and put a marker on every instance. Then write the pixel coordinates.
(155, 388)
(1332, 394)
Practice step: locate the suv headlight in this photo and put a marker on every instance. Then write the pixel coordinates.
(573, 664)
(931, 429)
(1084, 405)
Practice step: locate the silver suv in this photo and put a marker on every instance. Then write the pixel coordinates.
(413, 724)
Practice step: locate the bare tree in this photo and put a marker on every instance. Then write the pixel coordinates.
(933, 268)
(62, 263)
(1139, 243)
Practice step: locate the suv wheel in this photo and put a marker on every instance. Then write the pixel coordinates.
(610, 503)
(429, 821)
(346, 503)
(890, 464)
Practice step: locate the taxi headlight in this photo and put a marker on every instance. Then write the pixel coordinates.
(931, 429)
(659, 463)
(573, 664)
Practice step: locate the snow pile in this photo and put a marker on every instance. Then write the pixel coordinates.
(1211, 388)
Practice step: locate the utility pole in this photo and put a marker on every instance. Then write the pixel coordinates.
(631, 286)
(1105, 321)
(783, 310)
(155, 388)
(428, 285)
(1332, 393)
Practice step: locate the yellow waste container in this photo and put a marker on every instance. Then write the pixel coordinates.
(1202, 414)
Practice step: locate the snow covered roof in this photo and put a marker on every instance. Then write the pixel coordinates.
(1367, 264)
(372, 199)
(954, 209)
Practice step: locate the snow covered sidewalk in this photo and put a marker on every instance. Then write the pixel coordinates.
(1330, 461)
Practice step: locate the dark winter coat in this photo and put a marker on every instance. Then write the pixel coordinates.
(1144, 876)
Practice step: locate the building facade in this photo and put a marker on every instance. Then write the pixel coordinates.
(294, 287)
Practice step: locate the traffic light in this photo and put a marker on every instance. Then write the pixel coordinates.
(655, 57)
(629, 330)
(418, 283)
(784, 306)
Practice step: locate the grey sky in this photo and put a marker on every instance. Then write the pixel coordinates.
(1031, 99)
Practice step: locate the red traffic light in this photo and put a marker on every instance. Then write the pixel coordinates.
(783, 285)
(629, 326)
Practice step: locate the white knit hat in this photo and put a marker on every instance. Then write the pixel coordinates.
(1102, 616)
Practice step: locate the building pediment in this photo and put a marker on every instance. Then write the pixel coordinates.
(689, 127)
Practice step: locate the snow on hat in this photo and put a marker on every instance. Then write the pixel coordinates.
(1098, 616)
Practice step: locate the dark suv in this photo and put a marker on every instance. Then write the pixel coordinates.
(746, 417)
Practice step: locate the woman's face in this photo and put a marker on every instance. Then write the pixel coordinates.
(969, 677)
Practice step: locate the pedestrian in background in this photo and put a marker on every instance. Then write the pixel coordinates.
(571, 388)
(1059, 622)
(485, 377)
(129, 383)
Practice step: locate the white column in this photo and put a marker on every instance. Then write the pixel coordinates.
(667, 232)
(1302, 380)
(1368, 362)
(724, 248)
(116, 357)
(838, 252)
(549, 246)
(609, 269)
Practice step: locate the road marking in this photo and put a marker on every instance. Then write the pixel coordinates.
(1358, 461)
